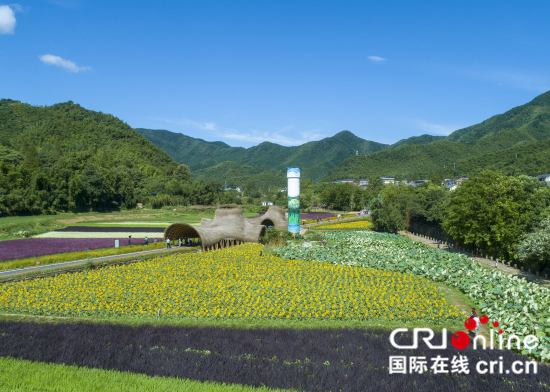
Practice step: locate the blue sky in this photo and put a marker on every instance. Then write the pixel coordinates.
(283, 71)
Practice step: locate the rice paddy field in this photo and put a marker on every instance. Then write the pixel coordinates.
(250, 318)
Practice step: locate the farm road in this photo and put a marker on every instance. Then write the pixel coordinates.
(484, 261)
(78, 262)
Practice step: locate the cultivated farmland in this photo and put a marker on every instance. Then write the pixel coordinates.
(233, 283)
(312, 319)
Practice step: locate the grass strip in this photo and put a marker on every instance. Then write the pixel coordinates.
(228, 323)
(23, 375)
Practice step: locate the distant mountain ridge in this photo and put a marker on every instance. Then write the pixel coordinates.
(468, 151)
(336, 157)
(314, 158)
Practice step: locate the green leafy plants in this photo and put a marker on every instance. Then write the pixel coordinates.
(277, 237)
(520, 307)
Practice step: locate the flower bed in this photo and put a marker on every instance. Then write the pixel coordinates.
(233, 283)
(347, 360)
(353, 225)
(35, 247)
(520, 307)
(308, 215)
(98, 229)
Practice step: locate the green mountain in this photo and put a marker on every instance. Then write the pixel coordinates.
(69, 129)
(200, 155)
(315, 159)
(524, 126)
(531, 159)
(533, 118)
(64, 157)
(252, 177)
(424, 139)
(190, 151)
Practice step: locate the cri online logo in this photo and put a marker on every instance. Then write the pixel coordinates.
(460, 340)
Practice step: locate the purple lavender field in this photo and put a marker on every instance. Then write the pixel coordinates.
(34, 247)
(93, 229)
(315, 215)
(347, 360)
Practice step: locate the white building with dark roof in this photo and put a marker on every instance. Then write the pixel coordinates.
(387, 180)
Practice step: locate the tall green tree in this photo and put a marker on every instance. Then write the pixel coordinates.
(485, 211)
(388, 219)
(182, 173)
(375, 186)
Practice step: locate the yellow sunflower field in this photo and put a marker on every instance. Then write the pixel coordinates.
(360, 224)
(232, 283)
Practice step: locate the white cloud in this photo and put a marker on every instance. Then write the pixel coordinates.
(184, 122)
(60, 62)
(273, 137)
(7, 19)
(437, 129)
(376, 59)
(253, 136)
(19, 8)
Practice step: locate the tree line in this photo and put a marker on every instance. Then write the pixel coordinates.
(505, 216)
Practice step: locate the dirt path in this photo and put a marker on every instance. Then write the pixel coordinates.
(483, 261)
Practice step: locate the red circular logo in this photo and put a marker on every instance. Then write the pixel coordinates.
(460, 340)
(484, 319)
(495, 324)
(470, 324)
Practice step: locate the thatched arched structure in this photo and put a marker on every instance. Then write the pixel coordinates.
(229, 227)
(275, 216)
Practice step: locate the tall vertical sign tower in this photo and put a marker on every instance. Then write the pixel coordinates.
(293, 175)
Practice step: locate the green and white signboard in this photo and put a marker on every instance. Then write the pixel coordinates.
(293, 176)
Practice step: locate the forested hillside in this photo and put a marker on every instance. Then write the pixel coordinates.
(64, 157)
(530, 159)
(326, 153)
(533, 118)
(251, 177)
(490, 144)
(314, 159)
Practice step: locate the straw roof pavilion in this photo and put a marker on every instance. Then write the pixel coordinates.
(275, 216)
(229, 227)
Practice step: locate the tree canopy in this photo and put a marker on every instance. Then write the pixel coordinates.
(66, 158)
